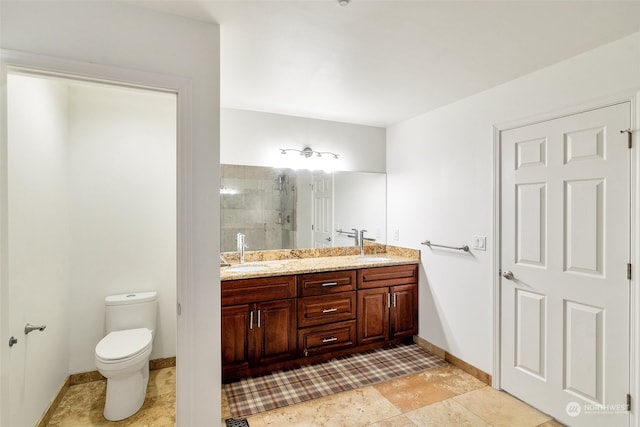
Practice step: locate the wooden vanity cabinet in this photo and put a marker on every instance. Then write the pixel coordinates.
(280, 322)
(387, 304)
(326, 312)
(258, 323)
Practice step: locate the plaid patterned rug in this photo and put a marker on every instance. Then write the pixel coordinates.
(252, 395)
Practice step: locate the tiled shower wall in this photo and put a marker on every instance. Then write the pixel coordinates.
(259, 202)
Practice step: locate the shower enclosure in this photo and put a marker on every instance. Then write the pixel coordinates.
(261, 203)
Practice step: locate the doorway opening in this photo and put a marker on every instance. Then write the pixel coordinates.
(91, 211)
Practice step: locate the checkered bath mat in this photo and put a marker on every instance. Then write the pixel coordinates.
(282, 388)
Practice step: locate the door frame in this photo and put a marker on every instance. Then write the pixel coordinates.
(633, 97)
(187, 381)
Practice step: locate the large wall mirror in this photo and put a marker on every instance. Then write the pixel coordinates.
(280, 208)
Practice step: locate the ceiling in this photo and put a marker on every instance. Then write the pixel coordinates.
(377, 62)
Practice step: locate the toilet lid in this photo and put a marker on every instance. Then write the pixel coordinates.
(123, 344)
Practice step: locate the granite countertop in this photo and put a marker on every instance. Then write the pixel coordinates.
(274, 263)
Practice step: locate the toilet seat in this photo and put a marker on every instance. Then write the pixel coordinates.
(120, 346)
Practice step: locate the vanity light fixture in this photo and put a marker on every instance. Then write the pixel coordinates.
(224, 190)
(308, 152)
(343, 3)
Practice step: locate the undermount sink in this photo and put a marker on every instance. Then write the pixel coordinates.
(373, 258)
(247, 267)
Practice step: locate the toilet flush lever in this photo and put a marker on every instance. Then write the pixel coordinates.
(28, 328)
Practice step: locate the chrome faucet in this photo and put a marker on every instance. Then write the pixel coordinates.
(241, 246)
(355, 236)
(362, 242)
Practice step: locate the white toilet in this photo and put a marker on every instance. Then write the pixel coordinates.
(122, 356)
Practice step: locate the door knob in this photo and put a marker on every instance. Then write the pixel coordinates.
(508, 275)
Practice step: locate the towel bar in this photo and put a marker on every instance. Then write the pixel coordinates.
(457, 248)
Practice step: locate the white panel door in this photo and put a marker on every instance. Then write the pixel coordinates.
(322, 223)
(565, 238)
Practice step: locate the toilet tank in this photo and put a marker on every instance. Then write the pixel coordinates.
(131, 311)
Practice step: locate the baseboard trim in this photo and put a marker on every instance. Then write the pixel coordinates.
(46, 417)
(87, 377)
(167, 362)
(455, 361)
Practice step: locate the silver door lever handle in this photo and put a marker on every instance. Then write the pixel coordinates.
(508, 275)
(28, 328)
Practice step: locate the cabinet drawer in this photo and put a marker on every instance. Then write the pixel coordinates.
(248, 291)
(321, 339)
(326, 309)
(387, 276)
(324, 283)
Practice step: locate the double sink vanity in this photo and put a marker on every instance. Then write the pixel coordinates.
(282, 309)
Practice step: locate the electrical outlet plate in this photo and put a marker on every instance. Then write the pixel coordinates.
(480, 243)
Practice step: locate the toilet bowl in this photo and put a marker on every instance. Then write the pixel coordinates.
(122, 356)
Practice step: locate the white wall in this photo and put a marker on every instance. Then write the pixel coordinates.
(255, 139)
(440, 186)
(37, 243)
(138, 45)
(122, 204)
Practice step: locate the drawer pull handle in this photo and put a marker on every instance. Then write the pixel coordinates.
(329, 310)
(330, 339)
(330, 284)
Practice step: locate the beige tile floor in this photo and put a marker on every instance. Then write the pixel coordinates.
(443, 396)
(83, 404)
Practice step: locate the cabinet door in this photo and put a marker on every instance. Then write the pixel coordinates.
(275, 331)
(404, 311)
(373, 315)
(235, 336)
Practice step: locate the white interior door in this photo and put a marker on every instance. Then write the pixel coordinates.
(565, 238)
(322, 224)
